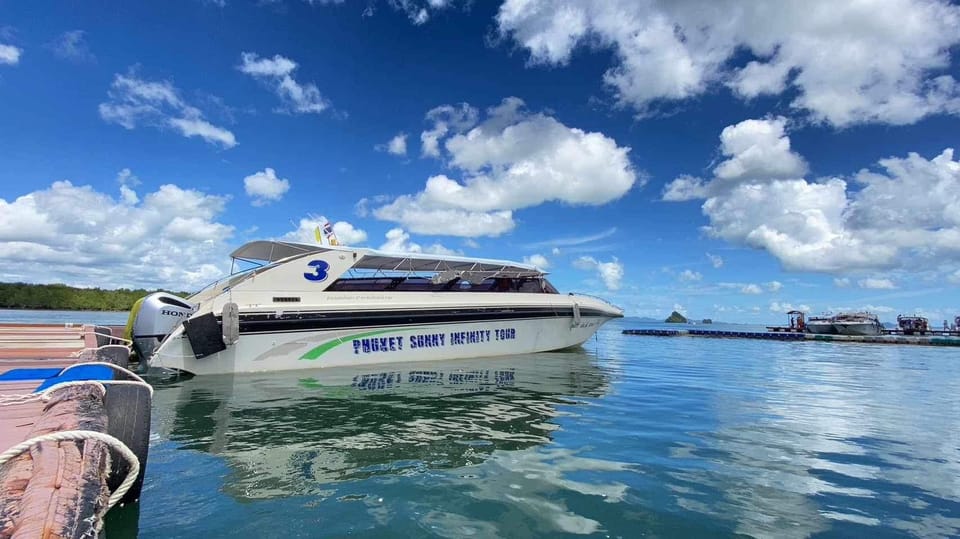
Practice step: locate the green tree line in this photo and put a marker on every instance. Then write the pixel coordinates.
(68, 298)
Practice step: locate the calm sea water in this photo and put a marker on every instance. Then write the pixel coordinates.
(629, 437)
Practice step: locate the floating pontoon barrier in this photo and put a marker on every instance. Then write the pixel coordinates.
(928, 340)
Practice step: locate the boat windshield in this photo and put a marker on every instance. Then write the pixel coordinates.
(525, 285)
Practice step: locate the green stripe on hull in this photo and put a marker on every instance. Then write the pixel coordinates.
(327, 346)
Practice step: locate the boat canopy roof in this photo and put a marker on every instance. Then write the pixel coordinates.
(370, 259)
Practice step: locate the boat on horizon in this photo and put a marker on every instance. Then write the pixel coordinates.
(305, 306)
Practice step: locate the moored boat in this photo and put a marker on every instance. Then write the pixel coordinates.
(821, 325)
(861, 323)
(309, 306)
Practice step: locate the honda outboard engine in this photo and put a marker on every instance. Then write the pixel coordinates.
(152, 318)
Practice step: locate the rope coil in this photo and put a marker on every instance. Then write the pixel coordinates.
(80, 435)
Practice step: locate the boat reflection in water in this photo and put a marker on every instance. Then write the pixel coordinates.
(288, 433)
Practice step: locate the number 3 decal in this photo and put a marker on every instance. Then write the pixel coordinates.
(319, 270)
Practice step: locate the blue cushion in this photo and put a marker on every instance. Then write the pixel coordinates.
(28, 374)
(78, 372)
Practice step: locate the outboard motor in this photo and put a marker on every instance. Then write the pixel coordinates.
(152, 318)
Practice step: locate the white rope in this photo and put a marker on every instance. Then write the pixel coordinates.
(45, 394)
(128, 342)
(69, 435)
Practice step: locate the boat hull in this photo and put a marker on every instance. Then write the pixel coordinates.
(820, 328)
(336, 347)
(857, 328)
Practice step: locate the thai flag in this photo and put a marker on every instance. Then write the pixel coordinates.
(327, 229)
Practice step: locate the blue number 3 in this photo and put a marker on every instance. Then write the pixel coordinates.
(319, 270)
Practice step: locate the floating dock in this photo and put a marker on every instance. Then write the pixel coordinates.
(74, 429)
(928, 340)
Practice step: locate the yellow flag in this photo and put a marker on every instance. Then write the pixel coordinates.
(316, 234)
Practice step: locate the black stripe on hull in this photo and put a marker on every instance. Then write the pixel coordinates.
(309, 321)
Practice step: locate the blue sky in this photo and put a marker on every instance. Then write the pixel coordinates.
(730, 160)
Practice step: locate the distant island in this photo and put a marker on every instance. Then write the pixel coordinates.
(706, 321)
(67, 298)
(676, 318)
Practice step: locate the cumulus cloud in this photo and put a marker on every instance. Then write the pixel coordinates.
(72, 46)
(689, 276)
(537, 260)
(398, 241)
(825, 225)
(277, 72)
(418, 11)
(715, 260)
(751, 289)
(169, 239)
(10, 55)
(265, 187)
(778, 307)
(514, 159)
(773, 286)
(347, 233)
(135, 101)
(611, 273)
(876, 284)
(395, 146)
(670, 51)
(841, 282)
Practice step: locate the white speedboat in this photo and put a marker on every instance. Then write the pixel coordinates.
(857, 324)
(308, 306)
(821, 325)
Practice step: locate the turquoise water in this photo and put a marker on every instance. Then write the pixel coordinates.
(630, 436)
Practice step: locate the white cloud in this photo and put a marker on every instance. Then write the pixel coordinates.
(537, 260)
(751, 289)
(715, 260)
(877, 284)
(756, 149)
(398, 241)
(670, 51)
(689, 276)
(265, 187)
(611, 273)
(418, 11)
(9, 55)
(347, 233)
(277, 72)
(512, 160)
(773, 286)
(72, 46)
(128, 181)
(778, 307)
(395, 146)
(135, 101)
(825, 226)
(170, 238)
(446, 118)
(841, 282)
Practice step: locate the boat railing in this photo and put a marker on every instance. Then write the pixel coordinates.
(598, 298)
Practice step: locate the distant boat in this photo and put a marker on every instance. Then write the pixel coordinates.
(913, 324)
(821, 325)
(857, 324)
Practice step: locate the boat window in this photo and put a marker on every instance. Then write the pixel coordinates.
(524, 285)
